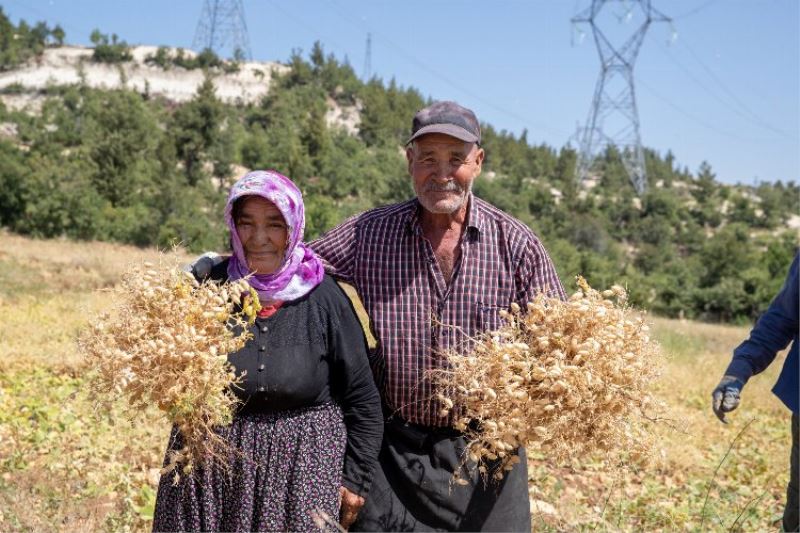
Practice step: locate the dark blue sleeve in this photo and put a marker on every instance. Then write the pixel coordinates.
(771, 334)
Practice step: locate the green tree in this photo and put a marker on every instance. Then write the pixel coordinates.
(13, 184)
(109, 50)
(705, 184)
(195, 128)
(58, 35)
(120, 138)
(21, 42)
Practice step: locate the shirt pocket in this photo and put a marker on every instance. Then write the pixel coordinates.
(488, 316)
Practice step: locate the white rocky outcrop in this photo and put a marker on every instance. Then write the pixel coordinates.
(67, 65)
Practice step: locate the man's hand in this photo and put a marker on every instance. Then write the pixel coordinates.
(725, 397)
(351, 505)
(201, 267)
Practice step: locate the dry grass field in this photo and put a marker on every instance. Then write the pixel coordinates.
(66, 466)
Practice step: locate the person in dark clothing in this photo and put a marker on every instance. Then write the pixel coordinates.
(305, 440)
(772, 333)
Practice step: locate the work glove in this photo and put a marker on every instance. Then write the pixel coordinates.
(725, 397)
(201, 267)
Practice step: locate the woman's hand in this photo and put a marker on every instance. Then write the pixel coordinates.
(351, 505)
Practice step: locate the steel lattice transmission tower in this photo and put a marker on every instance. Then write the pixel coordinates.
(613, 118)
(367, 74)
(222, 29)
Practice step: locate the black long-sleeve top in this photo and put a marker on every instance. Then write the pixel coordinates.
(310, 352)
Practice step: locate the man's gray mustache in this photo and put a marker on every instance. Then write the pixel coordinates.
(450, 186)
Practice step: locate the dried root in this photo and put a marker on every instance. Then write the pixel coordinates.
(165, 342)
(571, 378)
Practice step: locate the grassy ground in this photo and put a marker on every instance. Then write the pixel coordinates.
(681, 491)
(66, 466)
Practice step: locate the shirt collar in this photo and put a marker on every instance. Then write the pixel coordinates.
(476, 217)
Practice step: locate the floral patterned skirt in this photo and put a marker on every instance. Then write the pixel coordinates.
(285, 467)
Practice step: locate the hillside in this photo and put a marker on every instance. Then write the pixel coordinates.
(67, 65)
(137, 145)
(25, 88)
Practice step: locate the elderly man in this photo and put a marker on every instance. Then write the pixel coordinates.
(432, 272)
(776, 328)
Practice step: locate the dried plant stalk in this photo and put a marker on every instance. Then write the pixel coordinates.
(571, 378)
(165, 342)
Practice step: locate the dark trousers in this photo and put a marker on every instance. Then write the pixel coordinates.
(790, 514)
(413, 487)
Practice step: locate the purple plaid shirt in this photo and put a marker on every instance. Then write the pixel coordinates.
(415, 315)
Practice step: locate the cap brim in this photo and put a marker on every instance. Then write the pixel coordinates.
(448, 129)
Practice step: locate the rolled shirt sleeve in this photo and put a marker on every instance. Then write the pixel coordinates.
(535, 273)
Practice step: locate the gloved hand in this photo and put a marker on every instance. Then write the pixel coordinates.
(201, 267)
(725, 397)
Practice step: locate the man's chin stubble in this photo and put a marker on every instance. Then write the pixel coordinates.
(447, 209)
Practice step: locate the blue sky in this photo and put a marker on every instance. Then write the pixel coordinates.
(725, 90)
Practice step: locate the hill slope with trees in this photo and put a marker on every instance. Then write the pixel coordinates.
(133, 167)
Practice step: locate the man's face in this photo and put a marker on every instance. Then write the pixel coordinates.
(443, 169)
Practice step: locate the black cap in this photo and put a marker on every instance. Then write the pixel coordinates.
(448, 118)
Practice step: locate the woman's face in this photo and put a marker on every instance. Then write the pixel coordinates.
(263, 233)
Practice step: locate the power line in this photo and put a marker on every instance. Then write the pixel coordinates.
(753, 117)
(303, 24)
(695, 118)
(345, 15)
(367, 74)
(695, 10)
(746, 114)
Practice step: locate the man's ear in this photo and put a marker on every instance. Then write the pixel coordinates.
(479, 161)
(410, 157)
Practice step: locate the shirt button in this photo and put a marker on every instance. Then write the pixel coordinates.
(264, 329)
(261, 367)
(261, 389)
(262, 348)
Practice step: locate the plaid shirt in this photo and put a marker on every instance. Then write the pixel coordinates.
(415, 315)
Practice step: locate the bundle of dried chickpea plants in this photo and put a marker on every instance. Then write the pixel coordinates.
(570, 378)
(165, 342)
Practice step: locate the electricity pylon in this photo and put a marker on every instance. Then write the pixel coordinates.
(367, 74)
(223, 30)
(613, 118)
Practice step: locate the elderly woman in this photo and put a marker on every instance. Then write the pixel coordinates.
(306, 438)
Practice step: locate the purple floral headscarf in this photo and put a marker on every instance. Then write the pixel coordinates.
(301, 269)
